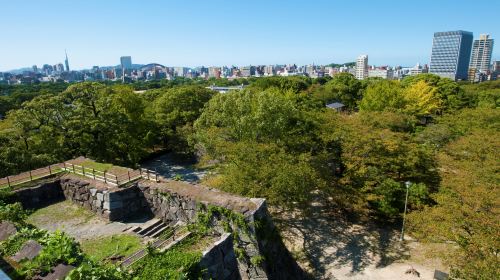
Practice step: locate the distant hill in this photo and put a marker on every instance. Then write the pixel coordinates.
(18, 71)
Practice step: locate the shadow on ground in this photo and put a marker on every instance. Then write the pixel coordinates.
(332, 243)
(169, 167)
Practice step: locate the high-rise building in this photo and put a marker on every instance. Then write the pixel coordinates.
(126, 62)
(362, 67)
(496, 66)
(66, 62)
(451, 54)
(481, 53)
(180, 71)
(35, 69)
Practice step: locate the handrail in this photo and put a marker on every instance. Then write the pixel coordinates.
(103, 176)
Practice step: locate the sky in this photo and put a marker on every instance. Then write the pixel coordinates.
(232, 32)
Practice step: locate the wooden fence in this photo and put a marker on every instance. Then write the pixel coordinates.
(12, 181)
(106, 177)
(109, 178)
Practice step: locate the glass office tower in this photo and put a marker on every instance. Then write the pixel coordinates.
(451, 53)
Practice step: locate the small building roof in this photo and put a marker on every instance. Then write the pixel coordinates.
(335, 105)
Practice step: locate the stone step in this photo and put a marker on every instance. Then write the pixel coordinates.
(149, 225)
(153, 229)
(159, 231)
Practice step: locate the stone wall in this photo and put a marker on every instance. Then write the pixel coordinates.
(261, 252)
(220, 260)
(40, 195)
(113, 204)
(169, 206)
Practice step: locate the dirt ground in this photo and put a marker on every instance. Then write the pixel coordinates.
(76, 221)
(330, 247)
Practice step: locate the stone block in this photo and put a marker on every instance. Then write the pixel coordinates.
(93, 192)
(100, 196)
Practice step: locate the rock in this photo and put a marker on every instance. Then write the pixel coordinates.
(29, 251)
(100, 196)
(7, 229)
(93, 192)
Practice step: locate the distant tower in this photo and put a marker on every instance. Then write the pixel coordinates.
(481, 53)
(66, 62)
(451, 54)
(362, 67)
(126, 62)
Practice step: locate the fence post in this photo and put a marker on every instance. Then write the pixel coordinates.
(93, 172)
(31, 177)
(73, 168)
(64, 165)
(128, 173)
(116, 178)
(50, 171)
(83, 170)
(147, 172)
(8, 181)
(105, 182)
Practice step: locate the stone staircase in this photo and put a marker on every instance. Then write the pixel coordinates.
(151, 229)
(171, 237)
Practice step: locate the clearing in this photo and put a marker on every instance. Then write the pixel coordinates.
(329, 246)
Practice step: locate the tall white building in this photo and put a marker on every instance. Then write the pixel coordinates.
(362, 67)
(481, 53)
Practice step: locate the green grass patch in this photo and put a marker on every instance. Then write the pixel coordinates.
(118, 245)
(103, 167)
(61, 211)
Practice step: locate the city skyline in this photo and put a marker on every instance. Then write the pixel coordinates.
(219, 33)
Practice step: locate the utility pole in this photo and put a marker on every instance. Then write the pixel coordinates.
(407, 184)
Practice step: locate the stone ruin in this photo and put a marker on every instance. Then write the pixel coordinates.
(174, 201)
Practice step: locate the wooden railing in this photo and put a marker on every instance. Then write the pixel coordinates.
(12, 181)
(106, 177)
(110, 178)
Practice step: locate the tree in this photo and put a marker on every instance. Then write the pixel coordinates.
(383, 95)
(421, 99)
(345, 88)
(175, 112)
(467, 205)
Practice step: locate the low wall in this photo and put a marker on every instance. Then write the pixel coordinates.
(168, 206)
(40, 195)
(111, 203)
(220, 260)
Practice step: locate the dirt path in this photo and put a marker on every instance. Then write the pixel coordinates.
(168, 167)
(76, 221)
(330, 247)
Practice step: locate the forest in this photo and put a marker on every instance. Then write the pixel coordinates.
(276, 139)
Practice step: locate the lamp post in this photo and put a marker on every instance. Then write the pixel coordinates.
(407, 184)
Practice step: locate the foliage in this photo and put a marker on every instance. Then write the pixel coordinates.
(172, 264)
(92, 271)
(57, 248)
(344, 88)
(175, 110)
(14, 243)
(12, 212)
(466, 210)
(115, 245)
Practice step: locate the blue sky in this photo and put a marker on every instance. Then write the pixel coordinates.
(232, 32)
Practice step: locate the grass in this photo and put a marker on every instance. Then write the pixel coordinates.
(103, 167)
(118, 245)
(61, 211)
